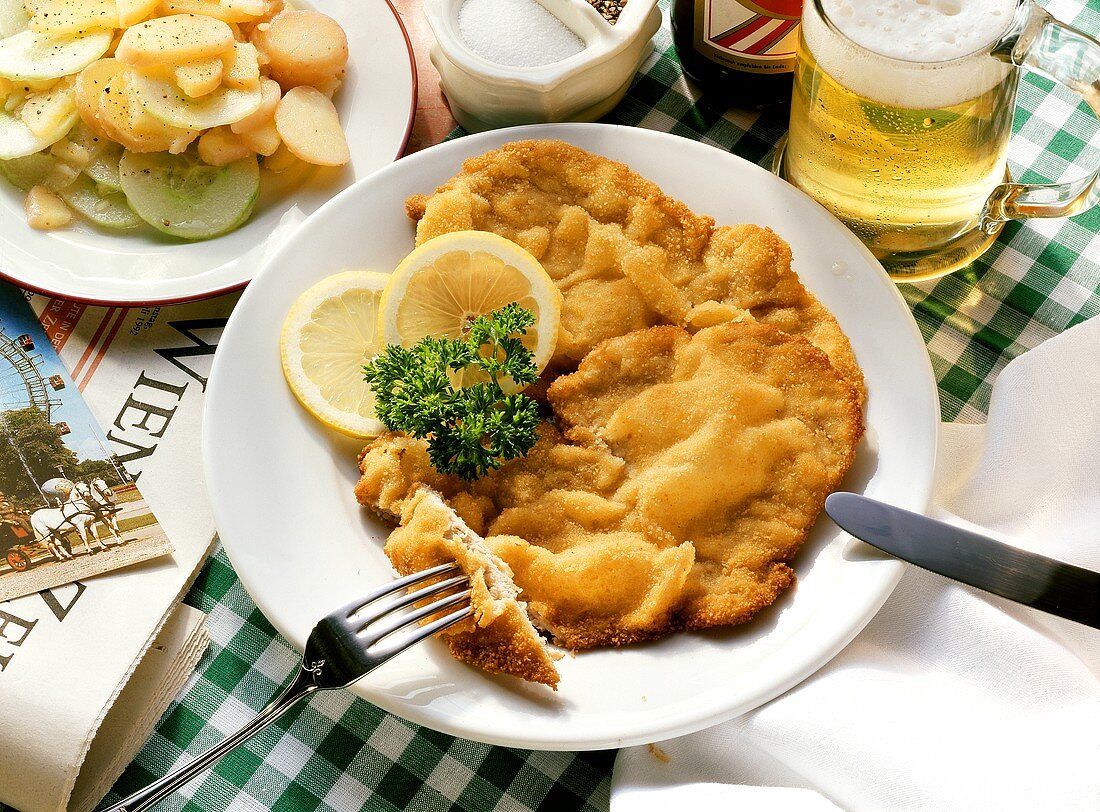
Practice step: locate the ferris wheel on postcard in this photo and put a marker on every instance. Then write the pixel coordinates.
(22, 384)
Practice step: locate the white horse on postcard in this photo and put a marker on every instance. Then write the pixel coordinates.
(50, 525)
(101, 499)
(103, 491)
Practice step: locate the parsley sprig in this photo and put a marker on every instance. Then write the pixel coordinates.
(473, 428)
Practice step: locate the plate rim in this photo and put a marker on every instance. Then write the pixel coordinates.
(236, 286)
(638, 733)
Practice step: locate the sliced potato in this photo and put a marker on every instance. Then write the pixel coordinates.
(310, 127)
(45, 210)
(162, 99)
(199, 78)
(89, 87)
(49, 115)
(174, 40)
(221, 146)
(127, 121)
(61, 18)
(303, 47)
(61, 177)
(273, 7)
(132, 12)
(229, 11)
(281, 160)
(262, 140)
(74, 154)
(330, 86)
(30, 56)
(28, 86)
(270, 93)
(253, 8)
(242, 66)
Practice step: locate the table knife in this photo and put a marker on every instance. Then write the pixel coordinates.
(1029, 578)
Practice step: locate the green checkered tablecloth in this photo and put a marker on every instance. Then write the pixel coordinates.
(340, 753)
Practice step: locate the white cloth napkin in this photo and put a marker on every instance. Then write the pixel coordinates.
(157, 680)
(950, 698)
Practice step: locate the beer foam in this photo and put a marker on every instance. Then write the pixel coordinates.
(913, 53)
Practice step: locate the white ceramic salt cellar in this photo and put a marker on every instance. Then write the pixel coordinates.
(485, 94)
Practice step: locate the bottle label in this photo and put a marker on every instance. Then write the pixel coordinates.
(756, 36)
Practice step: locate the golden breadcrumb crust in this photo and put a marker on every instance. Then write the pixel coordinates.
(704, 405)
(688, 474)
(625, 255)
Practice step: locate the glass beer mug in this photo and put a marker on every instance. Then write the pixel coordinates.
(901, 118)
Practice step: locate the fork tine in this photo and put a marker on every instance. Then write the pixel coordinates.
(394, 587)
(399, 644)
(410, 598)
(376, 630)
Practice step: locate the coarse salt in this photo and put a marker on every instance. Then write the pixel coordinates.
(517, 33)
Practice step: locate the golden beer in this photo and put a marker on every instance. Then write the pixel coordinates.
(904, 152)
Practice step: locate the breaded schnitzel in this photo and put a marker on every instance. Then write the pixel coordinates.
(499, 637)
(625, 255)
(689, 471)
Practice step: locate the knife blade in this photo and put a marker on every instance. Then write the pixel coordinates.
(1034, 580)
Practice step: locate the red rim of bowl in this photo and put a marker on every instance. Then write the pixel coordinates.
(170, 300)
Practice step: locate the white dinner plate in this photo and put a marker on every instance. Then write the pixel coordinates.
(282, 485)
(376, 105)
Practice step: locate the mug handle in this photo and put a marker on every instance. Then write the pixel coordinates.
(1050, 48)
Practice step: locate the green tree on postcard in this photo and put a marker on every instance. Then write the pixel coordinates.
(28, 440)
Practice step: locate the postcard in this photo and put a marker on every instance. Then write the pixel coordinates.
(68, 508)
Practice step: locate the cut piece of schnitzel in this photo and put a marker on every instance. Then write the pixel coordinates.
(625, 255)
(499, 637)
(689, 472)
(570, 487)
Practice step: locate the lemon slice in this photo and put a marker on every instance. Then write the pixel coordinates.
(447, 282)
(328, 335)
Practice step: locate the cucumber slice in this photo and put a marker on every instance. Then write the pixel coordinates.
(103, 168)
(166, 102)
(109, 210)
(29, 170)
(104, 155)
(13, 17)
(30, 55)
(16, 140)
(181, 196)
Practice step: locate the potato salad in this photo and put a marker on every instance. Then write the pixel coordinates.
(163, 112)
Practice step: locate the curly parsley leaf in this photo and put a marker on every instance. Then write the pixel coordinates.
(470, 429)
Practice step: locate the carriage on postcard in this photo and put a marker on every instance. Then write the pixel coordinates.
(17, 542)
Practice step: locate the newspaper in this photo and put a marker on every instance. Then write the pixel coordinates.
(66, 654)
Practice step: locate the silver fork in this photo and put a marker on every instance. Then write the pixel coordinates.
(346, 644)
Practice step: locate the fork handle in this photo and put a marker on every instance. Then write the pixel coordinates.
(302, 686)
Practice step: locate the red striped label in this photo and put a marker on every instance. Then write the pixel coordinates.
(759, 36)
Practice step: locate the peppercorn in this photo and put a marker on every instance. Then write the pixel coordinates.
(609, 9)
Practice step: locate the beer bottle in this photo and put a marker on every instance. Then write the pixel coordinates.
(744, 48)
